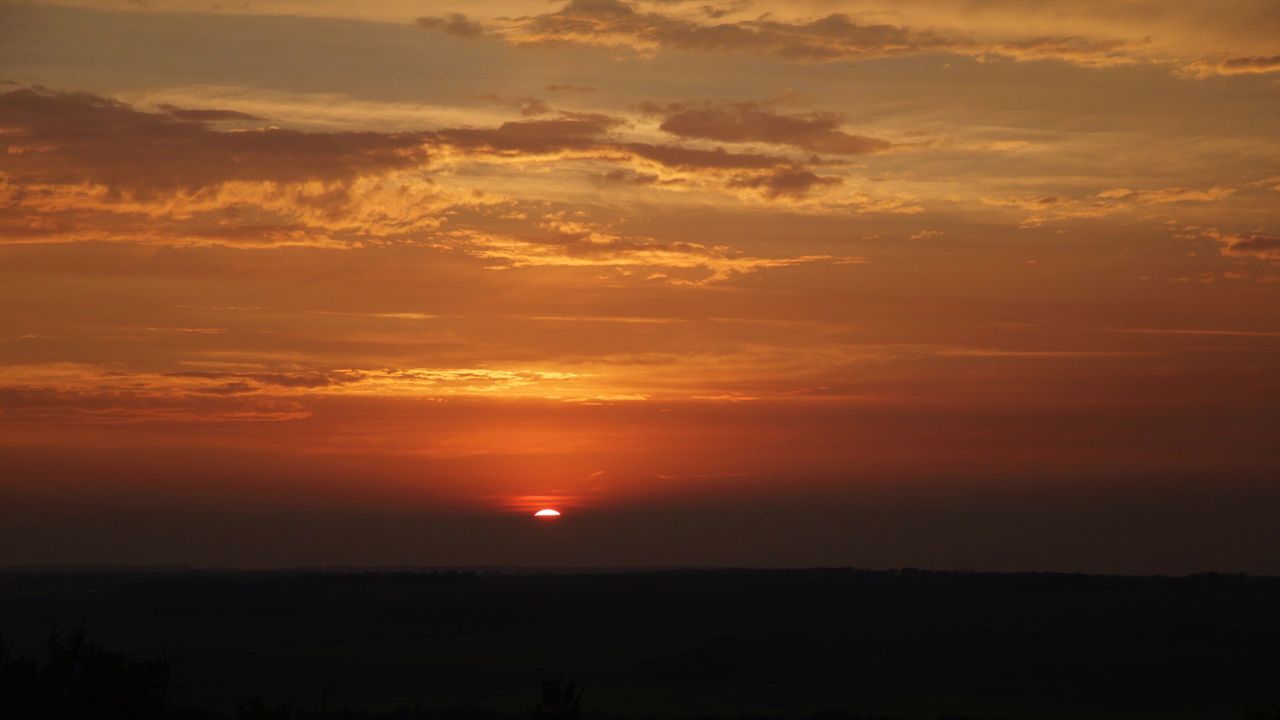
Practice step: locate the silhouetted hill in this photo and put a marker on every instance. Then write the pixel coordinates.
(731, 643)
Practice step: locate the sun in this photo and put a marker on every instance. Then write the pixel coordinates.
(547, 514)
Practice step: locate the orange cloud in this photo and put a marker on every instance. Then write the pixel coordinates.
(454, 24)
(80, 167)
(1106, 202)
(676, 262)
(538, 137)
(783, 182)
(68, 138)
(1251, 245)
(752, 122)
(1223, 64)
(835, 37)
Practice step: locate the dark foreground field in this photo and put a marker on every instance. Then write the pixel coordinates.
(805, 643)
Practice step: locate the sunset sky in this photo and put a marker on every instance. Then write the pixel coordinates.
(942, 283)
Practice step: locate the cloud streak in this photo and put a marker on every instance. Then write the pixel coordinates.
(1257, 246)
(1223, 64)
(77, 167)
(835, 37)
(753, 122)
(70, 138)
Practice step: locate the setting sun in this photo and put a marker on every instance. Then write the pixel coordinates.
(762, 282)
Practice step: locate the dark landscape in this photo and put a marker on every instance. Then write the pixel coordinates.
(639, 360)
(666, 643)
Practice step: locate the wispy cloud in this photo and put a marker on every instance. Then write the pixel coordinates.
(1246, 245)
(834, 37)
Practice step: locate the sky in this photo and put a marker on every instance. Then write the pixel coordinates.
(988, 284)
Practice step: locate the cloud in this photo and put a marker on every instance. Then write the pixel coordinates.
(1091, 33)
(71, 152)
(1251, 245)
(209, 115)
(234, 213)
(454, 24)
(753, 122)
(94, 394)
(1106, 202)
(1195, 332)
(611, 23)
(76, 167)
(1271, 183)
(577, 244)
(563, 87)
(594, 136)
(64, 137)
(835, 37)
(1226, 65)
(618, 24)
(630, 177)
(534, 106)
(86, 394)
(783, 182)
(78, 380)
(686, 158)
(1080, 51)
(926, 235)
(285, 380)
(539, 137)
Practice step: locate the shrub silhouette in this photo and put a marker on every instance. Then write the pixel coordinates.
(79, 678)
(560, 701)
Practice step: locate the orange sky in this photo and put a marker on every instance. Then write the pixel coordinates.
(941, 283)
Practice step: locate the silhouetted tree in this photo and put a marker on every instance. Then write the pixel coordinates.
(258, 709)
(81, 679)
(560, 701)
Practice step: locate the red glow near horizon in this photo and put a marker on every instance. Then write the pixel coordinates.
(730, 314)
